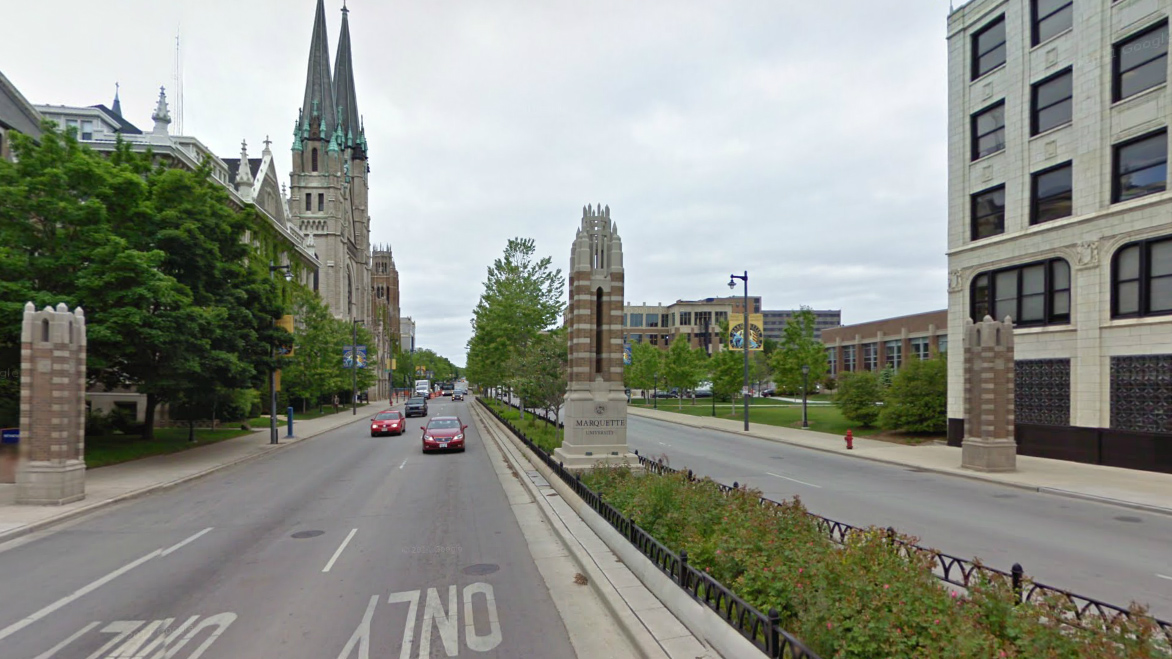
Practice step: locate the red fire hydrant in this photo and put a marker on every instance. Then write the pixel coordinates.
(850, 440)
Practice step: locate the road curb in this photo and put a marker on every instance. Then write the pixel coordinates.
(975, 476)
(13, 534)
(620, 612)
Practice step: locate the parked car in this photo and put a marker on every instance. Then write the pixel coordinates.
(416, 406)
(443, 433)
(667, 394)
(703, 393)
(388, 422)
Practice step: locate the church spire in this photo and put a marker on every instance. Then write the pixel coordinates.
(117, 102)
(344, 94)
(318, 107)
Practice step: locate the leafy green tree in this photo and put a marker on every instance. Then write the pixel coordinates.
(646, 366)
(917, 400)
(858, 397)
(522, 296)
(799, 348)
(314, 371)
(541, 381)
(726, 371)
(682, 367)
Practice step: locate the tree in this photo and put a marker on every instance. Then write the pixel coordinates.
(522, 296)
(681, 366)
(726, 371)
(917, 400)
(541, 381)
(646, 366)
(799, 348)
(858, 397)
(314, 371)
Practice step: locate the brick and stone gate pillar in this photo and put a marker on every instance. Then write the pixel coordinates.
(596, 401)
(51, 470)
(989, 444)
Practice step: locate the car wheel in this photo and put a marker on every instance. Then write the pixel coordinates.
(374, 434)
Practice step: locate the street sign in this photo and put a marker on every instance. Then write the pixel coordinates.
(10, 436)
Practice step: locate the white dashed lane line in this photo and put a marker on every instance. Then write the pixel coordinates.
(793, 479)
(341, 548)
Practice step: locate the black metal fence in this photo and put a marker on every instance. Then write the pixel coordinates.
(763, 630)
(956, 570)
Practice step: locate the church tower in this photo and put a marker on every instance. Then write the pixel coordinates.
(328, 184)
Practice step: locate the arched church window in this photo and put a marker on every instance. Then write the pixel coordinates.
(313, 160)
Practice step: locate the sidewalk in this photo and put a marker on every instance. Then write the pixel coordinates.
(1143, 490)
(119, 482)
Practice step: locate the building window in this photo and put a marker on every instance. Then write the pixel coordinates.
(636, 320)
(87, 129)
(989, 130)
(988, 213)
(1032, 294)
(894, 350)
(832, 360)
(848, 358)
(870, 356)
(665, 320)
(321, 201)
(1052, 194)
(721, 316)
(1141, 62)
(1051, 17)
(1141, 279)
(308, 201)
(685, 318)
(920, 348)
(1052, 102)
(942, 343)
(653, 339)
(313, 160)
(1141, 167)
(989, 47)
(636, 338)
(653, 320)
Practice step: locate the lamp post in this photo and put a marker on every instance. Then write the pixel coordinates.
(273, 369)
(732, 284)
(805, 377)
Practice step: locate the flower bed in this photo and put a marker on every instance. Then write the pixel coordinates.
(862, 599)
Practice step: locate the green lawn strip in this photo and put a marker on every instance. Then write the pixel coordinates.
(540, 432)
(857, 601)
(106, 450)
(822, 418)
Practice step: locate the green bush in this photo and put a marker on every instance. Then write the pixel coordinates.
(858, 397)
(917, 400)
(98, 424)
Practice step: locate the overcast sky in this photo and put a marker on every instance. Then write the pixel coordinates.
(803, 141)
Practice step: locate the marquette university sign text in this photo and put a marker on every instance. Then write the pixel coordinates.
(600, 423)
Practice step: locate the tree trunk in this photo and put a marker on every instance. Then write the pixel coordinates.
(148, 428)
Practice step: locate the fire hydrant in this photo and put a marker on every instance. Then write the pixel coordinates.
(850, 440)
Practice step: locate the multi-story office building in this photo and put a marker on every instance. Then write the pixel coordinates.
(874, 345)
(697, 320)
(1059, 218)
(775, 321)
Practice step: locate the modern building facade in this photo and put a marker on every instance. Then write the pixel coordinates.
(17, 115)
(1059, 218)
(697, 320)
(874, 345)
(775, 321)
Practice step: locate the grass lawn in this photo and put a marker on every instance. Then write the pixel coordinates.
(112, 449)
(543, 434)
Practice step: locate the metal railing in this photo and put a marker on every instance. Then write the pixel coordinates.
(763, 630)
(958, 571)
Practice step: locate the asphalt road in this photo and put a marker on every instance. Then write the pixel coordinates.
(343, 547)
(1099, 550)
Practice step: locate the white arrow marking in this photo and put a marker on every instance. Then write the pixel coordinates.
(361, 637)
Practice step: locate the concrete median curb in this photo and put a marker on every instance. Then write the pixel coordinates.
(33, 527)
(700, 423)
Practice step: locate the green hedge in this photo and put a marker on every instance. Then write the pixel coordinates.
(861, 600)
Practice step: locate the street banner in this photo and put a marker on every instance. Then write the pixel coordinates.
(393, 366)
(348, 353)
(627, 354)
(277, 380)
(286, 323)
(737, 333)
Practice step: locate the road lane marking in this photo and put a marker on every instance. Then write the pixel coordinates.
(445, 622)
(361, 637)
(57, 648)
(411, 596)
(339, 552)
(403, 465)
(793, 479)
(1164, 576)
(193, 538)
(122, 628)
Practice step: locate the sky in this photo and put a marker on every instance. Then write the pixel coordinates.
(804, 142)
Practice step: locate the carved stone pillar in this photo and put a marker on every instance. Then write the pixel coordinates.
(989, 443)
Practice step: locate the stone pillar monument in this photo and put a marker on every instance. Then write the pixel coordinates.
(51, 470)
(988, 444)
(596, 402)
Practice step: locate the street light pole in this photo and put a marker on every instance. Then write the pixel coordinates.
(805, 382)
(273, 369)
(744, 338)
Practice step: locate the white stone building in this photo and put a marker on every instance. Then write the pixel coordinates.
(1060, 217)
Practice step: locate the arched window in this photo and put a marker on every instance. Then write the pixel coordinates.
(1031, 294)
(598, 331)
(45, 330)
(313, 159)
(1141, 279)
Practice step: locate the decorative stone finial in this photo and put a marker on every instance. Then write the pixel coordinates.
(162, 115)
(244, 173)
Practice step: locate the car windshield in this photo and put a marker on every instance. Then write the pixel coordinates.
(443, 424)
(387, 416)
(415, 401)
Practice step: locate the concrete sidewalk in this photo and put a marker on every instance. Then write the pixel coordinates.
(109, 485)
(1143, 490)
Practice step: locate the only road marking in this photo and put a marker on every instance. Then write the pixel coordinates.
(1164, 576)
(793, 479)
(339, 552)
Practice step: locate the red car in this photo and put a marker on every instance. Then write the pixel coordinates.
(388, 422)
(443, 433)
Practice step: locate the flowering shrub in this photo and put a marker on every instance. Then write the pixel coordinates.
(861, 600)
